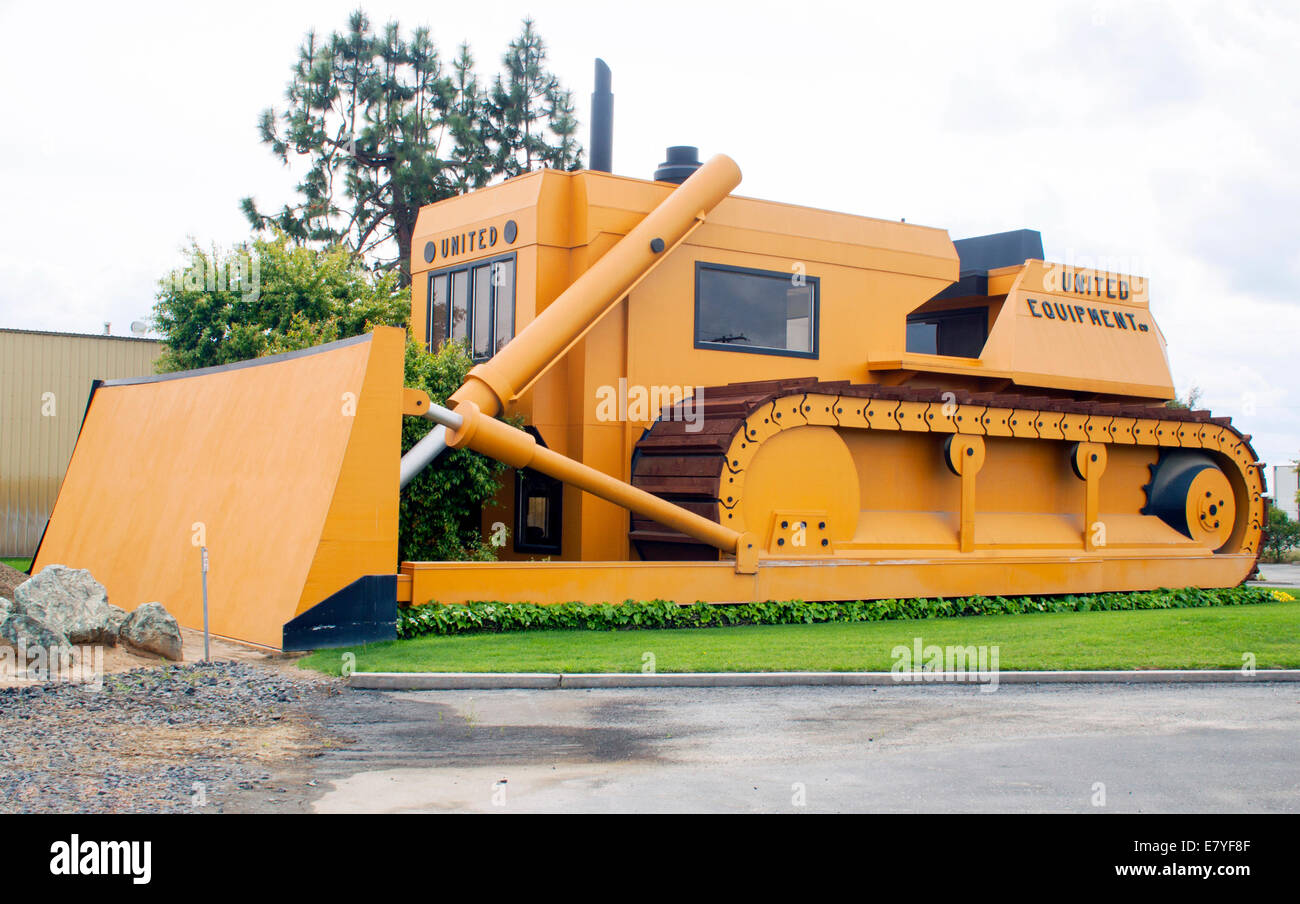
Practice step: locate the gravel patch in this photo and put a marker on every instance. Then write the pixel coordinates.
(10, 578)
(174, 738)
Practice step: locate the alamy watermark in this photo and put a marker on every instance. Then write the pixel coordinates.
(240, 273)
(967, 664)
(637, 403)
(83, 665)
(76, 857)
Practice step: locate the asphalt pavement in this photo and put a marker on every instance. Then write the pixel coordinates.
(1287, 575)
(1021, 748)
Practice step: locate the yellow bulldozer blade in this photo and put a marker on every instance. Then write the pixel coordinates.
(285, 468)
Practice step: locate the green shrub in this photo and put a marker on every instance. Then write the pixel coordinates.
(440, 509)
(414, 621)
(268, 296)
(295, 297)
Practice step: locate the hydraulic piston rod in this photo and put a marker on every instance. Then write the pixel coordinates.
(493, 384)
(423, 453)
(467, 426)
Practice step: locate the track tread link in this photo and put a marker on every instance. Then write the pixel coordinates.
(703, 471)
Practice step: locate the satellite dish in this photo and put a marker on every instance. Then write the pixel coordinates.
(139, 327)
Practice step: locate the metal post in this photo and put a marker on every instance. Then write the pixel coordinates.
(206, 657)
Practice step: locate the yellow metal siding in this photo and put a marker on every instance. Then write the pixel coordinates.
(36, 439)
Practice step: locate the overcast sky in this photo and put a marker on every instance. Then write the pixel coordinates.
(1161, 136)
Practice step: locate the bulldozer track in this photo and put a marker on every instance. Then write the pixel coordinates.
(703, 469)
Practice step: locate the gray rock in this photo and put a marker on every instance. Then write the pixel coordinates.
(68, 600)
(34, 638)
(151, 628)
(4, 608)
(117, 617)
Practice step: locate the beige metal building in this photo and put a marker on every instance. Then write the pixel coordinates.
(1285, 487)
(45, 380)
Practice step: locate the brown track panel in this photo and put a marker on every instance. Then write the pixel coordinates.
(685, 467)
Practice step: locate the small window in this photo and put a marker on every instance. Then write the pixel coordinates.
(460, 304)
(538, 508)
(481, 347)
(923, 337)
(959, 334)
(503, 281)
(760, 311)
(437, 319)
(538, 501)
(474, 304)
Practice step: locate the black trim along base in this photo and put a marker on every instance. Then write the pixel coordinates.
(365, 611)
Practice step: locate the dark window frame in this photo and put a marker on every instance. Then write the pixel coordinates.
(815, 326)
(937, 317)
(556, 492)
(468, 267)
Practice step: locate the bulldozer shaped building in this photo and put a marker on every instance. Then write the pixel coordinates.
(884, 412)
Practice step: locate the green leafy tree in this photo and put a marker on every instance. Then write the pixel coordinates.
(293, 297)
(384, 129)
(1280, 536)
(265, 296)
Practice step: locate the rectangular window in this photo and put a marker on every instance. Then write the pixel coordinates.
(959, 334)
(437, 320)
(538, 501)
(923, 337)
(761, 311)
(475, 304)
(459, 305)
(482, 307)
(503, 281)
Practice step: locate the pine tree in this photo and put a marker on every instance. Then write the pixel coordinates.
(530, 114)
(384, 131)
(468, 124)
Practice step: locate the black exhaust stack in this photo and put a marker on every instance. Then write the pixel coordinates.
(682, 160)
(601, 146)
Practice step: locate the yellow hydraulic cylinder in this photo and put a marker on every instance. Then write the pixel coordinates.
(493, 384)
(518, 449)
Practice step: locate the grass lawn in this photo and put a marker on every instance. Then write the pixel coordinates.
(1148, 639)
(20, 564)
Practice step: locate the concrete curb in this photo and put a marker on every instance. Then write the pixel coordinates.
(421, 681)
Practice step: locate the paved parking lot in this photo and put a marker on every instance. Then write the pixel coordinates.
(1125, 748)
(1281, 575)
